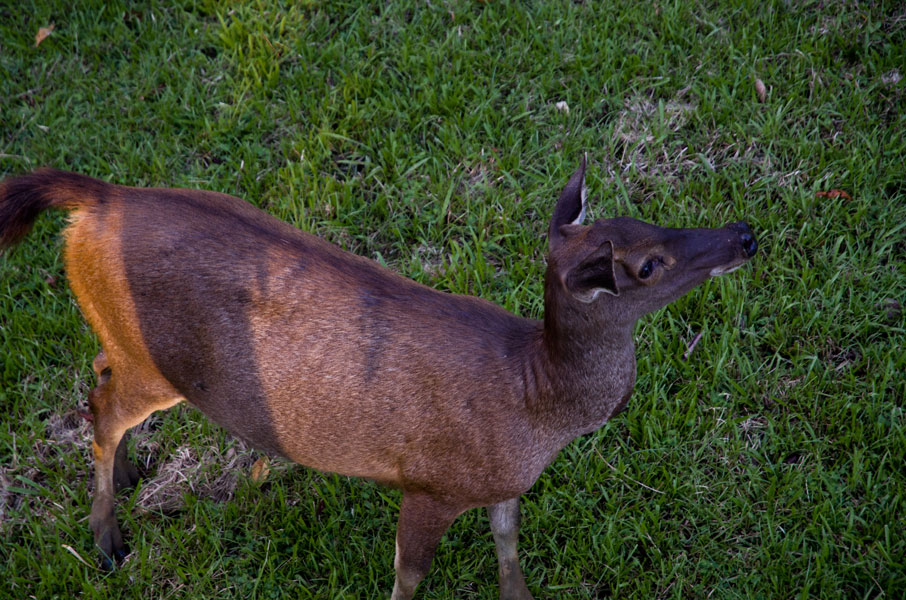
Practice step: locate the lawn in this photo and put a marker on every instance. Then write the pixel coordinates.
(434, 137)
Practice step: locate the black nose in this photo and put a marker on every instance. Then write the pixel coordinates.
(746, 237)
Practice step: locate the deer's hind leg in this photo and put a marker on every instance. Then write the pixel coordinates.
(117, 403)
(125, 475)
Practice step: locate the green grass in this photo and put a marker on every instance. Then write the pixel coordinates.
(770, 464)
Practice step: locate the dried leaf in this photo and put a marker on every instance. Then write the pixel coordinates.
(260, 470)
(692, 346)
(72, 551)
(43, 33)
(835, 193)
(761, 90)
(892, 77)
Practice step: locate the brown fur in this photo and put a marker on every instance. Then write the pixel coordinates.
(342, 365)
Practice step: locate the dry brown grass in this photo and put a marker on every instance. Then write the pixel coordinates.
(653, 150)
(209, 473)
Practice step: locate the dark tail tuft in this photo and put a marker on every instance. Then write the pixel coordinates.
(23, 198)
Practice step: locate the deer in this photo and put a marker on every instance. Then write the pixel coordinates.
(336, 362)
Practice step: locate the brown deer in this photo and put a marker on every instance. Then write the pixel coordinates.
(335, 362)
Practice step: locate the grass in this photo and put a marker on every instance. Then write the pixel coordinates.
(426, 135)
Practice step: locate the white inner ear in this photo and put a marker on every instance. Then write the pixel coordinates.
(599, 291)
(592, 295)
(581, 217)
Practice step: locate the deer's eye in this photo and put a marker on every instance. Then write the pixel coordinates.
(647, 269)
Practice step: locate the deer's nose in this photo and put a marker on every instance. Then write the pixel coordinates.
(746, 237)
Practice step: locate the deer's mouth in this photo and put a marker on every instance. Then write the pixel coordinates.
(716, 271)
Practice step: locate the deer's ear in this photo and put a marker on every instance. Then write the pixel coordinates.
(570, 209)
(593, 275)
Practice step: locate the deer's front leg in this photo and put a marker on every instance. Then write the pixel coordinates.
(505, 527)
(423, 520)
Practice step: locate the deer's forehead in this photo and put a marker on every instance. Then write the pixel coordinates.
(627, 235)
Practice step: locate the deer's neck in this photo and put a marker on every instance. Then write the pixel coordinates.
(591, 366)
